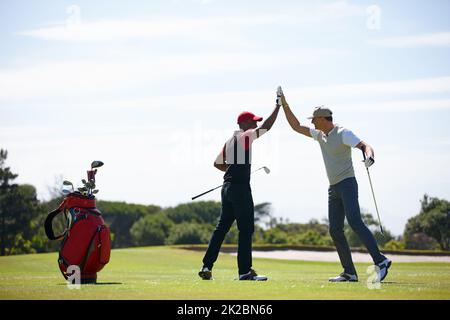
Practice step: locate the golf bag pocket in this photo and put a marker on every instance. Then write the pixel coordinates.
(105, 245)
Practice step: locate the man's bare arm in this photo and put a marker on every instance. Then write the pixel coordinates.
(366, 148)
(267, 125)
(219, 163)
(292, 119)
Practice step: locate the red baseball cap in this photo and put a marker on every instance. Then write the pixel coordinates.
(247, 116)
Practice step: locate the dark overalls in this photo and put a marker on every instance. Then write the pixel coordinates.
(237, 204)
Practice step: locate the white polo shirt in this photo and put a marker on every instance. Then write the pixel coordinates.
(336, 152)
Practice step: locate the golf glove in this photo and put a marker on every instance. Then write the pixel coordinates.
(279, 94)
(369, 161)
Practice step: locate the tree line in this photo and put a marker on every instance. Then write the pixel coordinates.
(22, 218)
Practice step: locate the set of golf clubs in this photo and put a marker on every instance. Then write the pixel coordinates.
(88, 188)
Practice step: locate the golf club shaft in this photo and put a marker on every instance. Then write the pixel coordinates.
(202, 194)
(374, 200)
(373, 195)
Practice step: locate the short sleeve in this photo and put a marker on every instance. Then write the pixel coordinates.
(349, 138)
(314, 133)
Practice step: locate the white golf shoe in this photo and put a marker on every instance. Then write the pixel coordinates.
(344, 277)
(382, 270)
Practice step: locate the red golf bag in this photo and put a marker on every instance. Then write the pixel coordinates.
(86, 240)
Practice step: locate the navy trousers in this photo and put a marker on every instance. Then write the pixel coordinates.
(343, 203)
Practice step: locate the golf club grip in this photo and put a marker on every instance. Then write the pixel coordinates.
(206, 192)
(364, 155)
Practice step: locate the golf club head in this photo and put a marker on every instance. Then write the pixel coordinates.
(68, 183)
(65, 192)
(266, 170)
(96, 164)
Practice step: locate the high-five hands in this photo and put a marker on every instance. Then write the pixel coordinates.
(281, 100)
(279, 95)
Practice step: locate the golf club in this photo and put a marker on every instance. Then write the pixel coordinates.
(67, 183)
(90, 184)
(96, 164)
(266, 170)
(373, 194)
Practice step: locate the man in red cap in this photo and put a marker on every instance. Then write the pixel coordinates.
(237, 201)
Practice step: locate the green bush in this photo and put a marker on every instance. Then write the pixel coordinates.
(196, 212)
(433, 222)
(189, 233)
(276, 236)
(151, 230)
(394, 245)
(121, 216)
(420, 241)
(312, 237)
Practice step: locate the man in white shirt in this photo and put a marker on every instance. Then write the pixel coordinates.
(336, 143)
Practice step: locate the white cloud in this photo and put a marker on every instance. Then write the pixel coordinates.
(259, 99)
(78, 78)
(218, 29)
(222, 29)
(396, 106)
(385, 97)
(341, 9)
(416, 86)
(441, 39)
(92, 81)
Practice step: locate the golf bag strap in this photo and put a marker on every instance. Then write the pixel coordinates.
(65, 263)
(48, 225)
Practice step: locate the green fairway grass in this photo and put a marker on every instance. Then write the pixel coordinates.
(171, 273)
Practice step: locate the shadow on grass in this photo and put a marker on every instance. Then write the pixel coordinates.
(96, 284)
(402, 283)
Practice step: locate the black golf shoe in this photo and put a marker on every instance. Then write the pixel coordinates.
(205, 273)
(252, 276)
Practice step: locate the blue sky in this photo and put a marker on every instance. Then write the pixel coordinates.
(153, 88)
